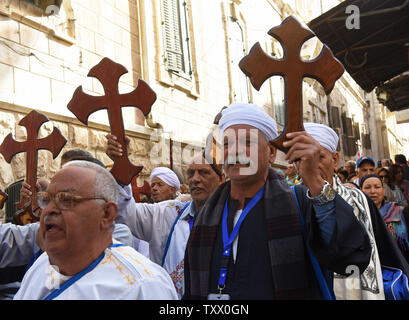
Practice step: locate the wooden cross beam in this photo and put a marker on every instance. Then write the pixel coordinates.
(83, 105)
(53, 143)
(136, 191)
(259, 66)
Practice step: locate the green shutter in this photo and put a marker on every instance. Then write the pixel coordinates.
(173, 35)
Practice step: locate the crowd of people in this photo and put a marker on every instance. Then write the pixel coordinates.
(240, 231)
(386, 183)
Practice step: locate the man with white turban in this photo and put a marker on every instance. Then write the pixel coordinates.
(166, 225)
(368, 285)
(164, 184)
(247, 241)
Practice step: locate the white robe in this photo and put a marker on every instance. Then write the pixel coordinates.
(122, 274)
(153, 223)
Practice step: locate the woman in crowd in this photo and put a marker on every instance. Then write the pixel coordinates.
(394, 215)
(383, 173)
(397, 184)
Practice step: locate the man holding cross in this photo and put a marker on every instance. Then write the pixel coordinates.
(368, 285)
(81, 261)
(166, 225)
(247, 241)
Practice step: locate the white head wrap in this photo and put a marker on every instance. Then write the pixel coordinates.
(327, 137)
(250, 114)
(166, 175)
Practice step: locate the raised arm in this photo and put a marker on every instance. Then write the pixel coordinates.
(17, 244)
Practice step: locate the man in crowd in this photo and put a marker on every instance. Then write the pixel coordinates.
(18, 245)
(164, 184)
(163, 181)
(247, 241)
(386, 163)
(364, 165)
(80, 260)
(350, 166)
(384, 251)
(166, 225)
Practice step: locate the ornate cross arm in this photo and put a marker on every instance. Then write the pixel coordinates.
(259, 67)
(83, 105)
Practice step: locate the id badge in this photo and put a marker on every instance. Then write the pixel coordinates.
(218, 296)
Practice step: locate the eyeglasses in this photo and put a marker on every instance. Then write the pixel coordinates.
(63, 200)
(383, 176)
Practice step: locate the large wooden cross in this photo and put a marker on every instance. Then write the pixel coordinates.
(259, 66)
(9, 148)
(83, 105)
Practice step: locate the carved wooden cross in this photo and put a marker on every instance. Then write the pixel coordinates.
(259, 66)
(54, 143)
(83, 105)
(136, 191)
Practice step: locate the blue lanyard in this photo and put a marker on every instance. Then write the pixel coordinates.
(171, 232)
(191, 220)
(228, 240)
(79, 275)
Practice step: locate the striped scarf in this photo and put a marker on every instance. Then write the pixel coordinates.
(290, 264)
(370, 284)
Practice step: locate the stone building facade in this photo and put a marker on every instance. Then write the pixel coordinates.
(186, 50)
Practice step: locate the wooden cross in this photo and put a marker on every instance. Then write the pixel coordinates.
(136, 191)
(3, 198)
(9, 148)
(259, 66)
(83, 105)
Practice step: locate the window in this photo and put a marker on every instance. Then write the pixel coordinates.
(176, 37)
(237, 51)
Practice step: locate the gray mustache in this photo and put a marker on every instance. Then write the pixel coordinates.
(50, 218)
(241, 158)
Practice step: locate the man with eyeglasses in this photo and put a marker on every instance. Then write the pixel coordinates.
(20, 246)
(81, 261)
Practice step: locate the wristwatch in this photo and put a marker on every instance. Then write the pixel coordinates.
(327, 194)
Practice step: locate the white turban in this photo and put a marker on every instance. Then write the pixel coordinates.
(166, 175)
(327, 137)
(250, 114)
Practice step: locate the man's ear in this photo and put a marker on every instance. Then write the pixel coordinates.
(273, 153)
(109, 215)
(335, 158)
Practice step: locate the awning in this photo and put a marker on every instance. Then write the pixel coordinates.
(377, 51)
(394, 93)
